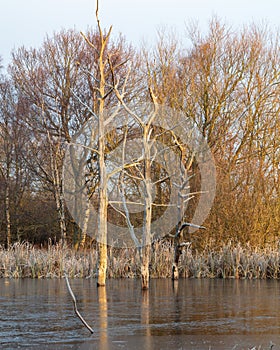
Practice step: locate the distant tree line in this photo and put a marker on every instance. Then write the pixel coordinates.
(226, 82)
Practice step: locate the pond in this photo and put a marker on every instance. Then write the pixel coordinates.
(190, 314)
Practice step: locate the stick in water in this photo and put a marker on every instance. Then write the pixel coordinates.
(75, 304)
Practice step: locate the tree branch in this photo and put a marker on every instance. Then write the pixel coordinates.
(75, 305)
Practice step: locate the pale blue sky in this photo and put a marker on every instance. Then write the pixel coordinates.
(26, 22)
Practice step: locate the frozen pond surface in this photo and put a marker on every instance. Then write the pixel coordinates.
(193, 314)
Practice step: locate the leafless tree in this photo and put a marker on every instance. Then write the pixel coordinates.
(13, 147)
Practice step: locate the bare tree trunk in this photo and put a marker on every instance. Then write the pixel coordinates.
(85, 226)
(103, 177)
(102, 218)
(182, 197)
(178, 237)
(56, 160)
(177, 254)
(8, 215)
(148, 202)
(62, 219)
(58, 189)
(145, 261)
(103, 193)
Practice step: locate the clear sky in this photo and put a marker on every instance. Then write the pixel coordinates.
(26, 22)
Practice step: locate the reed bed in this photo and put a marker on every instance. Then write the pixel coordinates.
(24, 260)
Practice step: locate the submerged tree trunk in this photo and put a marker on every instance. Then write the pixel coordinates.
(183, 196)
(103, 181)
(102, 216)
(177, 254)
(102, 264)
(178, 247)
(148, 202)
(145, 261)
(103, 176)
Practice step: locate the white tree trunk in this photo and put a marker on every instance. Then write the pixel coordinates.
(148, 202)
(8, 215)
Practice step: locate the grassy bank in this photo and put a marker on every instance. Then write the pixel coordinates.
(24, 260)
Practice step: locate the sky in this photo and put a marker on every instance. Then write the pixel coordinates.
(27, 22)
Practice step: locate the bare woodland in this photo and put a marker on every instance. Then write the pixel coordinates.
(226, 82)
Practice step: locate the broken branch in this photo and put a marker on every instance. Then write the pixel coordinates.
(75, 305)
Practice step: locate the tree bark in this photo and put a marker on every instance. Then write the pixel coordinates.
(103, 181)
(103, 194)
(146, 239)
(8, 216)
(175, 265)
(145, 261)
(102, 221)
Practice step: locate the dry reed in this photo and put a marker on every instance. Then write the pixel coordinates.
(24, 260)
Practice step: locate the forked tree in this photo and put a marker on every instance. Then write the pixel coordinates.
(147, 149)
(101, 89)
(100, 84)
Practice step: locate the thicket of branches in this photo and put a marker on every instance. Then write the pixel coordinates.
(227, 82)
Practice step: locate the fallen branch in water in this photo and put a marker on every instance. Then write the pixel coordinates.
(75, 305)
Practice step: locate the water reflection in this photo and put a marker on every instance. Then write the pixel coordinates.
(145, 318)
(188, 314)
(103, 318)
